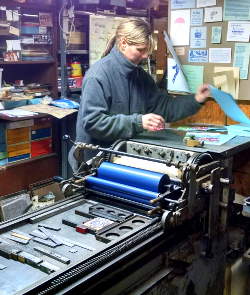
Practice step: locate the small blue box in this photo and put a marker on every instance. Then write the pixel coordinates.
(40, 133)
(29, 30)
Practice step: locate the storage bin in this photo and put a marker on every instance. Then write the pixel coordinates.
(40, 133)
(18, 135)
(18, 149)
(41, 147)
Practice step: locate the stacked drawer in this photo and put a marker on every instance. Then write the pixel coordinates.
(25, 139)
(18, 140)
(41, 137)
(3, 148)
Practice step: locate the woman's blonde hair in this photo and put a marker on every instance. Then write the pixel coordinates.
(135, 31)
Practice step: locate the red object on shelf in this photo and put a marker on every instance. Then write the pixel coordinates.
(41, 147)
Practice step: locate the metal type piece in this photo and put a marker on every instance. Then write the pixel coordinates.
(73, 220)
(74, 243)
(39, 234)
(64, 241)
(53, 255)
(48, 267)
(14, 254)
(50, 236)
(48, 226)
(2, 266)
(18, 240)
(27, 236)
(29, 258)
(5, 250)
(45, 242)
(20, 236)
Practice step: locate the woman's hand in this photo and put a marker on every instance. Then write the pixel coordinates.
(202, 93)
(153, 122)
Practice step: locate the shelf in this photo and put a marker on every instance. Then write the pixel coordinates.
(76, 51)
(24, 161)
(72, 89)
(30, 6)
(27, 62)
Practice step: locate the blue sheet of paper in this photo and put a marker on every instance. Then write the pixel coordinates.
(228, 105)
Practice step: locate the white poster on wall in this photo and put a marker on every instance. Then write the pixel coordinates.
(213, 14)
(196, 17)
(238, 31)
(205, 3)
(180, 26)
(198, 37)
(220, 55)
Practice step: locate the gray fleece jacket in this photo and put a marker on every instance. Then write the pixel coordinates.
(115, 95)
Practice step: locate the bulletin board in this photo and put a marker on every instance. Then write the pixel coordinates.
(208, 74)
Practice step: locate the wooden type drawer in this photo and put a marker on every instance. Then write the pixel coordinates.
(18, 149)
(18, 135)
(41, 147)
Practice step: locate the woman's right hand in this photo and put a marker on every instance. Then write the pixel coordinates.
(153, 122)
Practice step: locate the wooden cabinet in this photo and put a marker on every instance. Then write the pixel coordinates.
(28, 55)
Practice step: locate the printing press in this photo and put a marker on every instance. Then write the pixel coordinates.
(123, 211)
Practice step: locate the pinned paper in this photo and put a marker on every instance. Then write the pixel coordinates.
(241, 58)
(213, 14)
(196, 17)
(176, 79)
(235, 72)
(216, 35)
(179, 27)
(220, 55)
(194, 75)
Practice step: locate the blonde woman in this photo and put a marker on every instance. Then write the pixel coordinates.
(119, 99)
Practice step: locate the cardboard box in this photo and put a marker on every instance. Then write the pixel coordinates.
(77, 38)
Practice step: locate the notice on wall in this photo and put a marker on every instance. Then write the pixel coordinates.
(238, 31)
(196, 17)
(241, 58)
(216, 35)
(236, 10)
(198, 37)
(220, 55)
(205, 3)
(199, 55)
(181, 4)
(194, 76)
(180, 26)
(213, 14)
(176, 80)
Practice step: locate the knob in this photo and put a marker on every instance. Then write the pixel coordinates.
(147, 151)
(162, 154)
